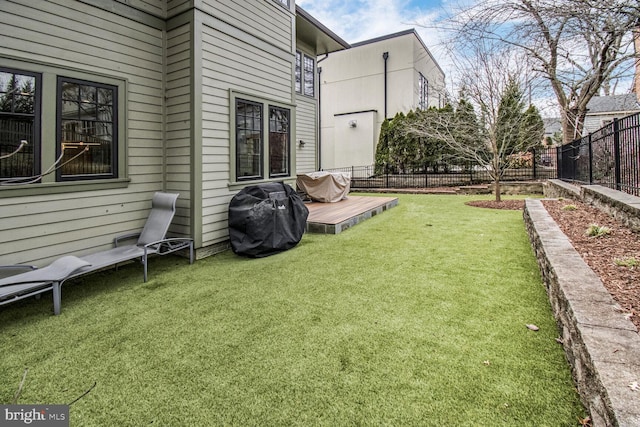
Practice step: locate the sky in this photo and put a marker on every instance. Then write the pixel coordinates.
(358, 20)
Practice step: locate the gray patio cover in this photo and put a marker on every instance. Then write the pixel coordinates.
(326, 187)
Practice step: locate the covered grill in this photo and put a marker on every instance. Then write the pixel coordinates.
(266, 219)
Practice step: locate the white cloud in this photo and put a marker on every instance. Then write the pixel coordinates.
(361, 20)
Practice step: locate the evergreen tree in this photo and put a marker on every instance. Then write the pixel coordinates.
(467, 129)
(382, 149)
(510, 118)
(531, 128)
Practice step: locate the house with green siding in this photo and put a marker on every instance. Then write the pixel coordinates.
(104, 102)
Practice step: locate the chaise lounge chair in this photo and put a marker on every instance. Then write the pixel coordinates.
(151, 241)
(19, 285)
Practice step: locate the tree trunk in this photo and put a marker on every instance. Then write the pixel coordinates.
(496, 183)
(572, 124)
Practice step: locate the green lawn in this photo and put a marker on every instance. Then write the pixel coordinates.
(415, 317)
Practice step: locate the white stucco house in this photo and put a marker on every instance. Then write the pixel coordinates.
(362, 86)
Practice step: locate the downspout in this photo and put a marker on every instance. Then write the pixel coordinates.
(385, 56)
(319, 144)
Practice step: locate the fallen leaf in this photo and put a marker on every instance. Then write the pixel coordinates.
(586, 422)
(634, 386)
(533, 327)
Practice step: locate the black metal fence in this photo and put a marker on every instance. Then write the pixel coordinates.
(16, 163)
(609, 157)
(535, 165)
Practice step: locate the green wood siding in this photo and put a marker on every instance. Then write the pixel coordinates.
(306, 109)
(175, 7)
(261, 19)
(154, 7)
(235, 59)
(176, 63)
(179, 122)
(80, 40)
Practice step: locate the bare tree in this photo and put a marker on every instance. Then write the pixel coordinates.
(576, 45)
(504, 129)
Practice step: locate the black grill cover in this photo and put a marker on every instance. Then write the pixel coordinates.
(266, 219)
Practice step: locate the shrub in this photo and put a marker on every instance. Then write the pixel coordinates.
(596, 230)
(627, 262)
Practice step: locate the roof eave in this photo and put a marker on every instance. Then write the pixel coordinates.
(313, 32)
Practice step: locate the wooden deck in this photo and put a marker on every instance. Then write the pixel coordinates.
(333, 218)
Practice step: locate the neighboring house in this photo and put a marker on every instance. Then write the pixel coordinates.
(603, 109)
(552, 131)
(200, 98)
(362, 86)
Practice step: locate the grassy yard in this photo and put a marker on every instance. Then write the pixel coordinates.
(414, 317)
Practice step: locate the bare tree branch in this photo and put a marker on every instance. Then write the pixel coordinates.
(577, 46)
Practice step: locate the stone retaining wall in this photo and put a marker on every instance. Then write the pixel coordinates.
(622, 206)
(602, 346)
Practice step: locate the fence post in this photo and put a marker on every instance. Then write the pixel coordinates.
(426, 175)
(533, 156)
(575, 155)
(590, 160)
(616, 149)
(386, 176)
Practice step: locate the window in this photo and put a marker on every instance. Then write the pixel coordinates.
(278, 142)
(298, 72)
(284, 2)
(59, 125)
(309, 74)
(305, 74)
(87, 138)
(19, 121)
(262, 139)
(248, 140)
(423, 92)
